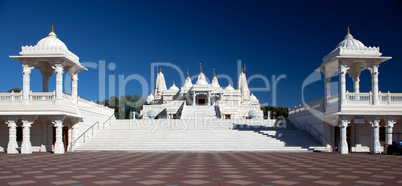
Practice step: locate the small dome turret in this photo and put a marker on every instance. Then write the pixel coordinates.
(350, 42)
(51, 41)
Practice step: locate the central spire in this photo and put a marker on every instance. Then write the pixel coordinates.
(52, 29)
(348, 31)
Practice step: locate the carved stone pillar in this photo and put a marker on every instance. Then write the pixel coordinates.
(209, 98)
(74, 85)
(342, 83)
(390, 126)
(374, 84)
(26, 83)
(327, 91)
(26, 147)
(58, 146)
(59, 82)
(193, 98)
(12, 137)
(376, 146)
(45, 80)
(343, 144)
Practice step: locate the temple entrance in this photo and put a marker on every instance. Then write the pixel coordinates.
(201, 102)
(64, 137)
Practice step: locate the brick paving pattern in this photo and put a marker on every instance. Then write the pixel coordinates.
(208, 168)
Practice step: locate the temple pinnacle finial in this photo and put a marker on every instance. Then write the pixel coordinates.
(244, 68)
(52, 29)
(173, 82)
(160, 70)
(241, 70)
(188, 75)
(213, 69)
(348, 31)
(200, 68)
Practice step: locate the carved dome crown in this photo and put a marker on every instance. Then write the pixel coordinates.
(51, 41)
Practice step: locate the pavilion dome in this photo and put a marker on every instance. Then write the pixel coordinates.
(51, 41)
(229, 87)
(350, 42)
(173, 87)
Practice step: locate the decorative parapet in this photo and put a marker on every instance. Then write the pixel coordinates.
(353, 51)
(55, 50)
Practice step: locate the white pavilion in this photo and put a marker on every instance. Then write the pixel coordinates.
(208, 100)
(352, 121)
(47, 121)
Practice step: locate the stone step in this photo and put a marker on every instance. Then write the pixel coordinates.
(122, 136)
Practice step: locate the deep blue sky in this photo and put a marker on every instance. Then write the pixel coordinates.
(271, 38)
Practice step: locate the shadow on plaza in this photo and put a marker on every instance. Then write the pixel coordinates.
(283, 131)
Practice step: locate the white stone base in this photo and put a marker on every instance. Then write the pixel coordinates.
(12, 148)
(26, 148)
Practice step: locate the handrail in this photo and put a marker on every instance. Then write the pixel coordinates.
(84, 133)
(318, 133)
(107, 121)
(326, 140)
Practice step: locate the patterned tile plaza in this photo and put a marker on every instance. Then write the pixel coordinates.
(202, 168)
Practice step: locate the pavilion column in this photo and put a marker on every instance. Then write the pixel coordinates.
(12, 137)
(376, 146)
(193, 98)
(58, 146)
(374, 84)
(26, 147)
(390, 126)
(74, 85)
(209, 98)
(356, 84)
(327, 90)
(342, 83)
(59, 82)
(220, 97)
(343, 144)
(45, 80)
(26, 83)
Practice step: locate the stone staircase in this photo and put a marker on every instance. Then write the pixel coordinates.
(194, 134)
(198, 112)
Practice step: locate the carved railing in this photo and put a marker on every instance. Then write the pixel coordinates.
(42, 96)
(11, 97)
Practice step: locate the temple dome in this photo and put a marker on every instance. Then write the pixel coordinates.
(252, 97)
(229, 87)
(51, 41)
(201, 79)
(150, 98)
(173, 87)
(215, 83)
(188, 83)
(350, 42)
